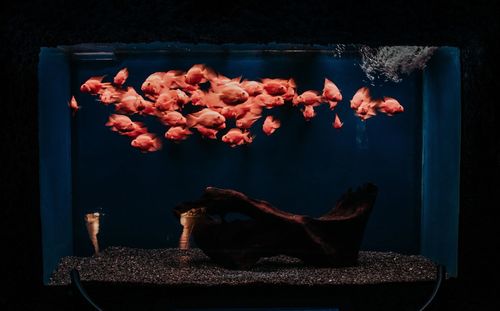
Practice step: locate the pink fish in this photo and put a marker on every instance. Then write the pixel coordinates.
(177, 133)
(270, 125)
(277, 87)
(179, 82)
(247, 120)
(367, 110)
(363, 105)
(110, 95)
(73, 105)
(229, 112)
(207, 118)
(130, 102)
(120, 123)
(232, 93)
(124, 126)
(93, 85)
(269, 101)
(121, 77)
(308, 98)
(153, 85)
(173, 118)
(146, 108)
(197, 98)
(253, 88)
(212, 100)
(147, 143)
(250, 106)
(198, 74)
(390, 106)
(207, 132)
(220, 80)
(331, 93)
(361, 96)
(235, 137)
(337, 123)
(308, 112)
(170, 100)
(290, 92)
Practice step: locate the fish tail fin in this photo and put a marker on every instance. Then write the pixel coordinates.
(157, 144)
(98, 78)
(332, 104)
(378, 102)
(249, 138)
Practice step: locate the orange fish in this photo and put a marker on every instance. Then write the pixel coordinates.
(121, 77)
(232, 94)
(269, 101)
(171, 100)
(229, 112)
(235, 137)
(179, 82)
(253, 88)
(331, 93)
(124, 126)
(270, 125)
(238, 111)
(212, 100)
(93, 85)
(276, 87)
(197, 98)
(367, 110)
(177, 133)
(247, 120)
(308, 112)
(390, 106)
(120, 123)
(361, 96)
(220, 80)
(146, 108)
(130, 102)
(173, 118)
(207, 132)
(337, 123)
(363, 105)
(290, 92)
(73, 105)
(207, 118)
(199, 74)
(308, 98)
(147, 143)
(110, 95)
(153, 85)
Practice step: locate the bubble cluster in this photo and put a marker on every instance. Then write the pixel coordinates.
(390, 63)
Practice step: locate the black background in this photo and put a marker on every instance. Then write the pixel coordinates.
(472, 26)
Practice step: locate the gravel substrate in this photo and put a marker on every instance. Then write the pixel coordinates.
(192, 267)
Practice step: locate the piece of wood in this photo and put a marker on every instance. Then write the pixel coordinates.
(330, 240)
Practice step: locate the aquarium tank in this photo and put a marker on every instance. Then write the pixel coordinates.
(161, 157)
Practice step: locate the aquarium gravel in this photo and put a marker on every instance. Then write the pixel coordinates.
(192, 267)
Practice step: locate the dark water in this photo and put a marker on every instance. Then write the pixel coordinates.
(302, 168)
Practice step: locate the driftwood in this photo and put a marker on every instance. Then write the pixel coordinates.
(330, 240)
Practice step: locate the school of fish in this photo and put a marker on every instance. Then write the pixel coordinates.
(218, 99)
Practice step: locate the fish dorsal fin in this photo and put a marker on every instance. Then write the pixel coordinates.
(98, 78)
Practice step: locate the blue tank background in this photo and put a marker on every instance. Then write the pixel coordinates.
(303, 168)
